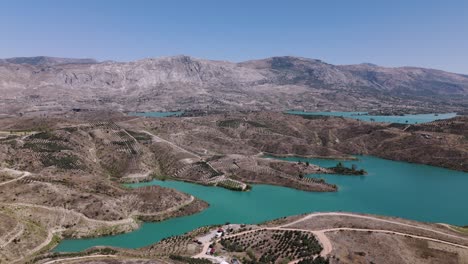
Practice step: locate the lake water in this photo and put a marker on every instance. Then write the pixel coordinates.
(413, 191)
(406, 119)
(156, 114)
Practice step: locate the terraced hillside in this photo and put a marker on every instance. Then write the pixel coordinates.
(64, 182)
(441, 143)
(61, 177)
(273, 246)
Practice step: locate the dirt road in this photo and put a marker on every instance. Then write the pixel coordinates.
(327, 246)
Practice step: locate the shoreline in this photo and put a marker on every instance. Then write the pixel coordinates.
(266, 155)
(397, 226)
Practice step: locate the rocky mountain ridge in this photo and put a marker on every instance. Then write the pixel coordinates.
(182, 82)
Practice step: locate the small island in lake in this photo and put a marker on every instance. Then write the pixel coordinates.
(341, 169)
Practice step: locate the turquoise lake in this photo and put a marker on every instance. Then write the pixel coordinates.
(391, 188)
(156, 114)
(406, 119)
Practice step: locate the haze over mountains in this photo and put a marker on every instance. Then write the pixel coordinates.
(46, 61)
(182, 82)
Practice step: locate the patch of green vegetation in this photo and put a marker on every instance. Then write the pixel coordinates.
(8, 137)
(8, 141)
(160, 177)
(398, 125)
(230, 185)
(341, 169)
(317, 260)
(45, 147)
(312, 117)
(190, 260)
(233, 123)
(206, 166)
(44, 135)
(255, 124)
(122, 134)
(232, 188)
(232, 246)
(64, 162)
(139, 135)
(70, 129)
(461, 229)
(120, 143)
(55, 241)
(277, 246)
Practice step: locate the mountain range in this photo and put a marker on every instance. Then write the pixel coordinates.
(36, 84)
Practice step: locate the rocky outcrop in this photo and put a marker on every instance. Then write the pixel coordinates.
(182, 82)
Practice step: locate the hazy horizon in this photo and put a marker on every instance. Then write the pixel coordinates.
(176, 55)
(428, 34)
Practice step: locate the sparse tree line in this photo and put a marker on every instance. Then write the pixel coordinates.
(341, 169)
(273, 246)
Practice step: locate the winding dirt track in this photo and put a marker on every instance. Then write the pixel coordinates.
(51, 233)
(128, 220)
(373, 219)
(159, 139)
(327, 246)
(15, 233)
(78, 258)
(12, 171)
(78, 214)
(319, 234)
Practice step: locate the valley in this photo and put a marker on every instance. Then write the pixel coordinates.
(93, 178)
(233, 132)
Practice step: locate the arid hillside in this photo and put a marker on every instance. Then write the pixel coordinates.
(182, 82)
(65, 182)
(317, 238)
(441, 143)
(61, 176)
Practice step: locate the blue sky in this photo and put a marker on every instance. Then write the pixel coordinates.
(391, 33)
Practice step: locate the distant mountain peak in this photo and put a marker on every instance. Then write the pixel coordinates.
(48, 61)
(369, 64)
(293, 59)
(185, 82)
